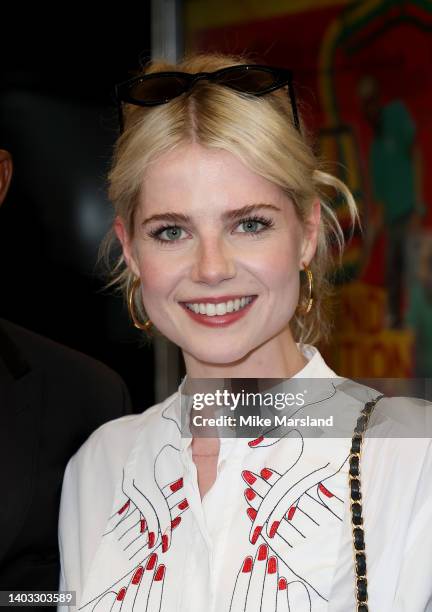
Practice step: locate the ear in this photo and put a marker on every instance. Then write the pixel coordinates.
(310, 234)
(123, 236)
(6, 168)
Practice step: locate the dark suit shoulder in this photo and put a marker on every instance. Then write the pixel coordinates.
(72, 380)
(39, 350)
(51, 399)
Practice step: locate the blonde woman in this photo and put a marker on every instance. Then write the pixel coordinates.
(225, 239)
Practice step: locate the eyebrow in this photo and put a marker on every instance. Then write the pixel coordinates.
(229, 215)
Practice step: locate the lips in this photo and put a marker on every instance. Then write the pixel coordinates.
(219, 320)
(215, 300)
(221, 308)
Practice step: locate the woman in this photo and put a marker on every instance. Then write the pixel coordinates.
(219, 209)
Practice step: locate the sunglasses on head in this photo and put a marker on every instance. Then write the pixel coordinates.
(162, 87)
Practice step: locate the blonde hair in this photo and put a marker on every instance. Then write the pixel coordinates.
(260, 132)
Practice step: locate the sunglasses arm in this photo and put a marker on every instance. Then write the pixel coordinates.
(292, 97)
(119, 110)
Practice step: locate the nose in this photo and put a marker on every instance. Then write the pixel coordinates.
(213, 262)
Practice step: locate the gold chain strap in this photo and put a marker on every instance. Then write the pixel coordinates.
(356, 507)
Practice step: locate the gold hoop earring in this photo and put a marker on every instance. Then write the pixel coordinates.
(131, 304)
(302, 309)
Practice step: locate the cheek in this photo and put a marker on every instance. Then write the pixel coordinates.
(158, 275)
(279, 274)
(279, 267)
(285, 287)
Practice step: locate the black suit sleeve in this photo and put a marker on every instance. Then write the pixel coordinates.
(51, 399)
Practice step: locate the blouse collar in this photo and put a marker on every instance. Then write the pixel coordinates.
(315, 367)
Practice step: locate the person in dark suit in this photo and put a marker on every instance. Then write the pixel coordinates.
(51, 399)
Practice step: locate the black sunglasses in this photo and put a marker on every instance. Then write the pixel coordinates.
(162, 87)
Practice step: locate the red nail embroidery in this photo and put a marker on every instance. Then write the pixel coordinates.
(272, 565)
(247, 565)
(143, 525)
(151, 562)
(183, 505)
(159, 573)
(251, 512)
(325, 491)
(266, 473)
(151, 539)
(165, 542)
(250, 494)
(123, 508)
(176, 522)
(175, 486)
(256, 534)
(282, 584)
(273, 529)
(248, 476)
(262, 552)
(256, 441)
(291, 512)
(138, 575)
(121, 594)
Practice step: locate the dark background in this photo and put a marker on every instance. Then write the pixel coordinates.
(58, 119)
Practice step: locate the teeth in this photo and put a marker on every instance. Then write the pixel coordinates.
(219, 309)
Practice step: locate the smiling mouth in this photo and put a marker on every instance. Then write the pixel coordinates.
(210, 309)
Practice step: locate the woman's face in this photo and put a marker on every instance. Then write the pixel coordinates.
(214, 251)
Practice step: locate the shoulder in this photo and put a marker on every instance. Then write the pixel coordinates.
(397, 410)
(108, 447)
(398, 447)
(40, 351)
(94, 471)
(405, 417)
(74, 380)
(391, 416)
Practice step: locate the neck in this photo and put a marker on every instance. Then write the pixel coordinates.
(279, 357)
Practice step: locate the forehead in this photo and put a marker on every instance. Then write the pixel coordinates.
(193, 174)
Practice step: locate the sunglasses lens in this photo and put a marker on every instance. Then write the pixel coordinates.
(159, 89)
(248, 80)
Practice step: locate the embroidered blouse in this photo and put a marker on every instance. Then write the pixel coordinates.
(272, 534)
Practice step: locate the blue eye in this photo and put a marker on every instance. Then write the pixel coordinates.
(176, 230)
(172, 233)
(252, 222)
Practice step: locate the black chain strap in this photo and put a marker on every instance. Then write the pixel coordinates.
(356, 507)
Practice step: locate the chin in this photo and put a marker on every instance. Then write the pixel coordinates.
(216, 356)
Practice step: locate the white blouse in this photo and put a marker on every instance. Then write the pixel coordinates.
(272, 534)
